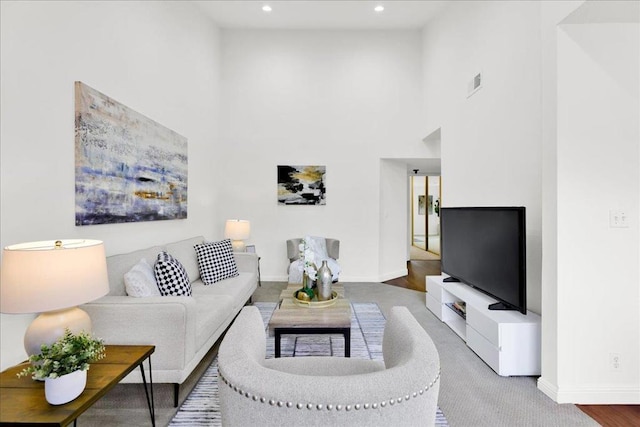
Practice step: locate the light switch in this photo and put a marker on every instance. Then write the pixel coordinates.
(618, 219)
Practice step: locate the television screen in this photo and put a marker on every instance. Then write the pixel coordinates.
(485, 247)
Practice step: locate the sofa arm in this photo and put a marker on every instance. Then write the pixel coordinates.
(168, 322)
(247, 262)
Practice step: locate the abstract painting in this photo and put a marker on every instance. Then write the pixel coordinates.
(421, 204)
(128, 167)
(301, 185)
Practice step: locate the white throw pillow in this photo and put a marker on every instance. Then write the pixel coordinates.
(140, 281)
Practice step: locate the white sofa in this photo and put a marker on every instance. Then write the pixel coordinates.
(329, 391)
(183, 328)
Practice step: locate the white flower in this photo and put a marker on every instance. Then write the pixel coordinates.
(307, 260)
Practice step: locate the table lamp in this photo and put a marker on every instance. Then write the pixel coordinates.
(237, 230)
(52, 278)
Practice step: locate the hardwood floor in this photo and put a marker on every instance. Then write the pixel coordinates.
(613, 415)
(606, 415)
(417, 272)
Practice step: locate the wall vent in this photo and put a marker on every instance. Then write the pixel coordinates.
(474, 84)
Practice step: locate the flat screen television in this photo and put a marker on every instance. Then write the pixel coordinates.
(485, 247)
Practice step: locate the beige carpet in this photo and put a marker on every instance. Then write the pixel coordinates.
(420, 254)
(471, 394)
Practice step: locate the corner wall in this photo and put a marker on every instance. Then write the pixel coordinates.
(158, 58)
(490, 141)
(598, 171)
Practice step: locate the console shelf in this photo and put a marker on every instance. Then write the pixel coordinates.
(508, 341)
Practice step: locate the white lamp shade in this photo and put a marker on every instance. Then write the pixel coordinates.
(38, 276)
(237, 229)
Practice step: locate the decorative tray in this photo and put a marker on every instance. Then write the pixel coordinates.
(314, 303)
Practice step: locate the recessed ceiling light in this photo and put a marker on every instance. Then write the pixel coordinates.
(266, 8)
(379, 8)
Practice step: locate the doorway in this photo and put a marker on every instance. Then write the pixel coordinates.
(425, 216)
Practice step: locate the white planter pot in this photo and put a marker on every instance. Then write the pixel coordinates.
(61, 390)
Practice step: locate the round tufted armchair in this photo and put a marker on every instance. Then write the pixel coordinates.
(329, 391)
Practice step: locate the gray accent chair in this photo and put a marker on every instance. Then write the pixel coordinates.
(293, 251)
(329, 391)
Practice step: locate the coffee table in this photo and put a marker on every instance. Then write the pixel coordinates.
(290, 318)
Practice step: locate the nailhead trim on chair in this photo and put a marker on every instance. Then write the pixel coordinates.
(329, 407)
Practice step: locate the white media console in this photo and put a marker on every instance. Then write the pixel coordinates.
(508, 341)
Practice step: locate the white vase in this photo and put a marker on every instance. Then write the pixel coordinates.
(64, 389)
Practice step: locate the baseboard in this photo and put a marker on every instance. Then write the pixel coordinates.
(282, 278)
(605, 395)
(548, 388)
(347, 278)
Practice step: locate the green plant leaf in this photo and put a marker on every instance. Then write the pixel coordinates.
(71, 352)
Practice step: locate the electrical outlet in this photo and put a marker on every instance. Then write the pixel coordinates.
(614, 361)
(618, 219)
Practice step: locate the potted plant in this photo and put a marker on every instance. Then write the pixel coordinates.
(63, 365)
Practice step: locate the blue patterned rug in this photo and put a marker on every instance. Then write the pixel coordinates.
(202, 407)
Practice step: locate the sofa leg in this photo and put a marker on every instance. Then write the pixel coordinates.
(176, 394)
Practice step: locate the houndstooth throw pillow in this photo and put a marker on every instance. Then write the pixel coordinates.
(171, 276)
(216, 261)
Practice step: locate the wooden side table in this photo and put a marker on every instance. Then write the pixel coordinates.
(22, 399)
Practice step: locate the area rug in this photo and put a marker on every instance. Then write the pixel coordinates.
(202, 407)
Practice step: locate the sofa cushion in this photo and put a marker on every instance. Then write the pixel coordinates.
(324, 366)
(183, 251)
(171, 276)
(140, 281)
(212, 311)
(216, 261)
(118, 265)
(240, 288)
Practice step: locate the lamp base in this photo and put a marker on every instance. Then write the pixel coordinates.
(49, 326)
(238, 246)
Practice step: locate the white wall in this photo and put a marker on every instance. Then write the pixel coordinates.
(159, 58)
(598, 170)
(491, 141)
(552, 14)
(394, 209)
(344, 99)
(493, 146)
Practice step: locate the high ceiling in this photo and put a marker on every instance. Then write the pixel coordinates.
(330, 15)
(326, 14)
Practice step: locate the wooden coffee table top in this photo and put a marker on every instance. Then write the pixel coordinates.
(23, 401)
(291, 315)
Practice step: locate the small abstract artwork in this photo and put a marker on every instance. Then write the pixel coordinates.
(301, 185)
(128, 167)
(421, 204)
(430, 205)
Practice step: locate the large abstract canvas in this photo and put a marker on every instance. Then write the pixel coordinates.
(301, 185)
(128, 167)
